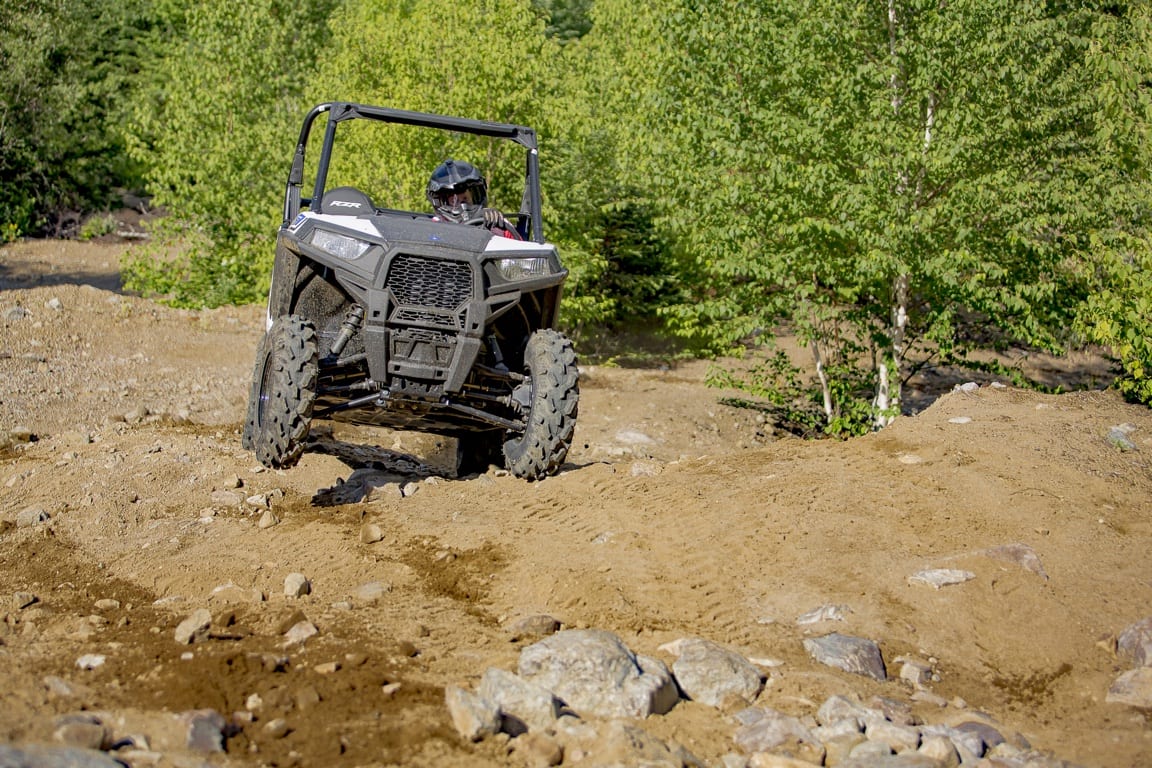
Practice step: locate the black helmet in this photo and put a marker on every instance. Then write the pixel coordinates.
(457, 191)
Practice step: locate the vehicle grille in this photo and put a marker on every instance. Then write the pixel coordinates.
(422, 282)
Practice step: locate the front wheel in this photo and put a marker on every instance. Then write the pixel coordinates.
(551, 395)
(283, 392)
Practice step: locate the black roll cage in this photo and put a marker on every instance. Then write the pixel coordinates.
(340, 111)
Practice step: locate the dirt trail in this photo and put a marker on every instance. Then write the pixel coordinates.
(676, 516)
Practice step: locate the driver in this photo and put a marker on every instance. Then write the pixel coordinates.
(458, 192)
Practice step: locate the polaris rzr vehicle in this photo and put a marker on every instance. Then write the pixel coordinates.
(402, 319)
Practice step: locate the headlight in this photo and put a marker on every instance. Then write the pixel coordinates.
(342, 246)
(520, 268)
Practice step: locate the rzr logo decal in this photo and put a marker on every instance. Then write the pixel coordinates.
(344, 204)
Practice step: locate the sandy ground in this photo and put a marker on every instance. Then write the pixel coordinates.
(675, 516)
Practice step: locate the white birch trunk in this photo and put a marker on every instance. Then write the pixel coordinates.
(825, 390)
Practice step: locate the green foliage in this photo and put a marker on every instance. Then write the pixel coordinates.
(97, 226)
(866, 185)
(1118, 313)
(566, 19)
(217, 145)
(68, 70)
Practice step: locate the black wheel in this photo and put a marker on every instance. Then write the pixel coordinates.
(246, 437)
(283, 391)
(550, 395)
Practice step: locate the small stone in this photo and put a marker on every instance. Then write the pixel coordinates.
(940, 749)
(226, 498)
(268, 520)
(372, 591)
(1134, 644)
(297, 585)
(91, 661)
(851, 654)
(277, 729)
(1133, 688)
(327, 668)
(370, 533)
(205, 730)
(539, 625)
(1118, 437)
(107, 604)
(300, 632)
(473, 717)
(306, 698)
(538, 750)
(941, 577)
(30, 516)
(24, 599)
(194, 628)
(82, 731)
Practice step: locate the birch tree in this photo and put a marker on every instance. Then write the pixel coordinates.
(895, 182)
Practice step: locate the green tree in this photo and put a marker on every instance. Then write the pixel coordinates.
(891, 182)
(216, 142)
(1118, 313)
(69, 71)
(605, 191)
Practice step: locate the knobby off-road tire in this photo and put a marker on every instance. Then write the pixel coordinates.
(283, 392)
(550, 363)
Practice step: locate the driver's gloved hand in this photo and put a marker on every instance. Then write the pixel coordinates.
(493, 219)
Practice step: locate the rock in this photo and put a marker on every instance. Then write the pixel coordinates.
(30, 516)
(716, 676)
(194, 628)
(300, 632)
(107, 604)
(372, 591)
(595, 673)
(988, 735)
(898, 738)
(231, 594)
(205, 730)
(24, 599)
(540, 625)
(838, 748)
(1134, 644)
(474, 717)
(1118, 437)
(619, 743)
(941, 577)
(524, 706)
(370, 533)
(40, 756)
(226, 498)
(1020, 554)
(538, 750)
(268, 520)
(838, 708)
(826, 612)
(915, 672)
(769, 760)
(83, 730)
(940, 749)
(91, 661)
(764, 729)
(1133, 688)
(851, 654)
(297, 585)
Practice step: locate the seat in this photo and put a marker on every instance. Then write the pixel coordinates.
(346, 201)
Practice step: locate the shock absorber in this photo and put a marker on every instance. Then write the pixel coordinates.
(351, 324)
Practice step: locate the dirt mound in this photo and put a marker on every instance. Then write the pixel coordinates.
(133, 504)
